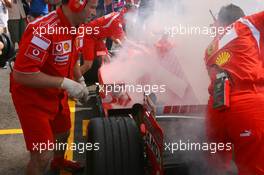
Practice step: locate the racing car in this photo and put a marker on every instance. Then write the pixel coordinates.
(136, 130)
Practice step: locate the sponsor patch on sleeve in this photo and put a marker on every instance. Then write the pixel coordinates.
(35, 53)
(79, 43)
(223, 58)
(41, 42)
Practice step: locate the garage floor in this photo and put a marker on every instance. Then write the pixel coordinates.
(13, 156)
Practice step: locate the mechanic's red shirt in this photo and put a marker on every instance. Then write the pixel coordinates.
(238, 53)
(108, 26)
(95, 49)
(47, 52)
(104, 27)
(257, 21)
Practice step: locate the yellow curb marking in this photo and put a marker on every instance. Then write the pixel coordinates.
(10, 131)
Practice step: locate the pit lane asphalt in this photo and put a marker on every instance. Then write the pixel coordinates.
(13, 154)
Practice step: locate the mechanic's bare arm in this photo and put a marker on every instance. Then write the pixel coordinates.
(38, 80)
(77, 72)
(117, 41)
(86, 66)
(120, 41)
(42, 80)
(106, 58)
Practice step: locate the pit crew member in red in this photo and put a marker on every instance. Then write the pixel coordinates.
(40, 85)
(235, 62)
(108, 26)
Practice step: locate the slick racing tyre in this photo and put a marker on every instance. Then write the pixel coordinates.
(120, 147)
(8, 50)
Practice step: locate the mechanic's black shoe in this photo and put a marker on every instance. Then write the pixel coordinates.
(67, 165)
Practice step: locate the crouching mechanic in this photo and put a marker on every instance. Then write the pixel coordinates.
(41, 83)
(109, 26)
(235, 114)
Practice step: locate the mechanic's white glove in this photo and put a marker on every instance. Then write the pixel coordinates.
(82, 81)
(85, 96)
(75, 90)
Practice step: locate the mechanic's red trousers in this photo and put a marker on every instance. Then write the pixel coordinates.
(243, 125)
(39, 126)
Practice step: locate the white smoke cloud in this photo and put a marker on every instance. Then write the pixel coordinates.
(190, 48)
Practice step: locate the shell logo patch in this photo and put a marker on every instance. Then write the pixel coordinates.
(66, 46)
(223, 58)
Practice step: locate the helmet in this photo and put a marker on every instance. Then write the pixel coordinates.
(77, 5)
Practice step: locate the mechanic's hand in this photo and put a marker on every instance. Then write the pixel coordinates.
(82, 81)
(84, 99)
(117, 42)
(85, 96)
(75, 89)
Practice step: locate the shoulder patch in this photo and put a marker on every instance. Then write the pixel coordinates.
(41, 42)
(35, 53)
(222, 58)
